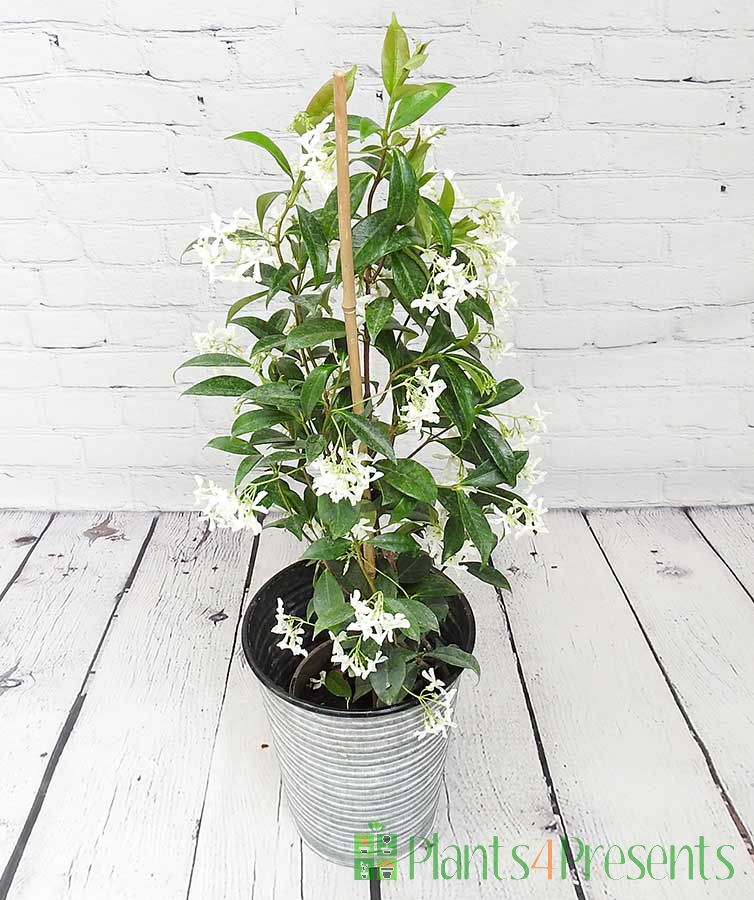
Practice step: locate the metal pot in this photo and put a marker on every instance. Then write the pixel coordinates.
(342, 769)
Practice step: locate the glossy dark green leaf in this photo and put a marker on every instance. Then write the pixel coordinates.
(326, 548)
(420, 616)
(441, 226)
(499, 449)
(417, 104)
(336, 684)
(388, 680)
(488, 574)
(315, 241)
(476, 525)
(394, 542)
(230, 445)
(274, 394)
(370, 238)
(369, 431)
(220, 386)
(404, 193)
(454, 656)
(322, 103)
(281, 279)
(214, 360)
(506, 390)
(261, 140)
(251, 421)
(243, 302)
(248, 464)
(377, 314)
(314, 386)
(329, 216)
(313, 331)
(411, 478)
(264, 202)
(463, 391)
(447, 197)
(340, 517)
(409, 276)
(329, 604)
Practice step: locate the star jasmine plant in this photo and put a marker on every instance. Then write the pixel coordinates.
(394, 501)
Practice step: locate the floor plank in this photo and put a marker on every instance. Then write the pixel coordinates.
(494, 779)
(120, 817)
(248, 846)
(51, 622)
(730, 530)
(625, 767)
(19, 532)
(700, 623)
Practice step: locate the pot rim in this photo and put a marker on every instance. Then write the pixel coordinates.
(267, 682)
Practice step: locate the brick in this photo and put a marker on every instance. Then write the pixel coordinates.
(542, 244)
(724, 154)
(563, 152)
(596, 14)
(194, 153)
(85, 409)
(650, 58)
(159, 409)
(38, 242)
(117, 369)
(19, 409)
(627, 489)
(710, 486)
(618, 368)
(721, 58)
(120, 286)
(661, 199)
(622, 243)
(24, 53)
(47, 152)
(729, 451)
(137, 199)
(712, 323)
(38, 449)
(559, 52)
(96, 490)
(67, 329)
(377, 13)
(684, 105)
(697, 245)
(27, 489)
(21, 198)
(127, 449)
(128, 151)
(197, 57)
(616, 453)
(625, 329)
(489, 152)
(653, 152)
(88, 11)
(167, 490)
(20, 287)
(122, 244)
(547, 330)
(149, 328)
(98, 51)
(495, 104)
(706, 16)
(14, 328)
(194, 15)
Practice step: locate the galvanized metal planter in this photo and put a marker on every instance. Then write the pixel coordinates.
(343, 769)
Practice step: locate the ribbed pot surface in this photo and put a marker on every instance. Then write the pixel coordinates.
(343, 769)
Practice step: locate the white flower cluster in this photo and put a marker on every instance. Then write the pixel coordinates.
(354, 661)
(217, 339)
(453, 283)
(532, 511)
(292, 630)
(373, 620)
(343, 474)
(523, 431)
(437, 706)
(432, 540)
(226, 509)
(422, 392)
(317, 159)
(228, 255)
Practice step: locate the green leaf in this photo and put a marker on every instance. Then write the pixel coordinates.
(499, 449)
(395, 55)
(322, 103)
(326, 548)
(411, 478)
(337, 685)
(476, 525)
(220, 386)
(488, 574)
(240, 304)
(415, 106)
(277, 394)
(314, 446)
(315, 242)
(453, 537)
(214, 360)
(388, 679)
(264, 202)
(245, 466)
(435, 585)
(394, 542)
(454, 656)
(420, 616)
(281, 279)
(505, 391)
(313, 331)
(261, 140)
(409, 276)
(377, 314)
(231, 445)
(329, 604)
(447, 197)
(440, 224)
(463, 391)
(404, 193)
(314, 387)
(370, 238)
(369, 431)
(248, 422)
(340, 517)
(359, 183)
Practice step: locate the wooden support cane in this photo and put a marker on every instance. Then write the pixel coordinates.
(346, 262)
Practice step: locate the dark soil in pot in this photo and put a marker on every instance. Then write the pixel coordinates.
(290, 675)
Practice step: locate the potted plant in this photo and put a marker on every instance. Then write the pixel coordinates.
(339, 416)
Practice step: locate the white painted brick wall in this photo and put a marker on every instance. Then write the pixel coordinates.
(627, 127)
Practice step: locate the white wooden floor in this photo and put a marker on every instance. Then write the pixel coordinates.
(616, 705)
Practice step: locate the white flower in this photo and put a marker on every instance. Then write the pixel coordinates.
(222, 243)
(437, 706)
(226, 509)
(432, 541)
(354, 661)
(343, 474)
(361, 530)
(372, 619)
(319, 681)
(522, 518)
(422, 392)
(453, 281)
(496, 347)
(317, 160)
(217, 339)
(292, 629)
(531, 474)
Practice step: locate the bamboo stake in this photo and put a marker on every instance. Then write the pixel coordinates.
(346, 265)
